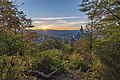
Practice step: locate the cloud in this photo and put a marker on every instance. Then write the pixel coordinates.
(57, 18)
(38, 22)
(72, 22)
(62, 23)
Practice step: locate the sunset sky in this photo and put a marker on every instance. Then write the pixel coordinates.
(54, 14)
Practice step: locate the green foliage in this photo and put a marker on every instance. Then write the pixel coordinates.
(95, 69)
(108, 49)
(51, 44)
(15, 47)
(77, 62)
(15, 56)
(11, 44)
(67, 49)
(48, 60)
(82, 45)
(13, 67)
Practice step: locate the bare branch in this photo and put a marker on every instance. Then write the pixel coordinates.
(43, 74)
(117, 17)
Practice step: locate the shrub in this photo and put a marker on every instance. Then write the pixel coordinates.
(77, 62)
(14, 67)
(48, 60)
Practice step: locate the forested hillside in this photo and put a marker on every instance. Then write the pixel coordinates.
(94, 57)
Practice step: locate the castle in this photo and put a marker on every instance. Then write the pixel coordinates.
(81, 33)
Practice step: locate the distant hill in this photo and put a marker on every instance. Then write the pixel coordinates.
(57, 33)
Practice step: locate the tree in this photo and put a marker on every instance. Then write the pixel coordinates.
(106, 47)
(108, 50)
(11, 18)
(15, 48)
(102, 9)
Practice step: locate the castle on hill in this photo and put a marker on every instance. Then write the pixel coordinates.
(81, 33)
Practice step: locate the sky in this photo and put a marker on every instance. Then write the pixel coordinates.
(54, 14)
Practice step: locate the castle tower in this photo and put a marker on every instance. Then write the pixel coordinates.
(81, 30)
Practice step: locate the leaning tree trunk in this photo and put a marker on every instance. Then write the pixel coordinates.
(43, 75)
